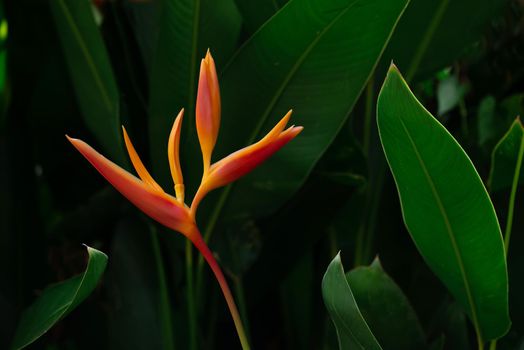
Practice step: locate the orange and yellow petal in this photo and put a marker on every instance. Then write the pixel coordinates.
(207, 109)
(245, 160)
(160, 206)
(138, 165)
(173, 154)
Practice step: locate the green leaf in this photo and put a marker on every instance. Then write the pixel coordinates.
(445, 207)
(314, 56)
(505, 156)
(385, 308)
(187, 29)
(58, 300)
(91, 73)
(426, 38)
(352, 329)
(256, 12)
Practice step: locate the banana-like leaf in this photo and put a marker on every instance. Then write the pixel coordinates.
(58, 300)
(91, 73)
(314, 56)
(445, 207)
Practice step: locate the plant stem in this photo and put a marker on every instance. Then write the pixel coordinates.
(165, 305)
(209, 230)
(191, 306)
(480, 342)
(370, 89)
(513, 195)
(511, 209)
(201, 245)
(239, 290)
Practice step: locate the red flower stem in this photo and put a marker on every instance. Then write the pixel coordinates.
(199, 243)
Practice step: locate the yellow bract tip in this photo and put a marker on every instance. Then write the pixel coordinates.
(173, 154)
(138, 165)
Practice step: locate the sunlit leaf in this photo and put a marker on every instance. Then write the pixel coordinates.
(445, 207)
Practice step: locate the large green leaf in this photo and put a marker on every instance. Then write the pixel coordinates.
(385, 308)
(58, 300)
(505, 158)
(91, 73)
(256, 12)
(187, 29)
(352, 330)
(426, 38)
(445, 206)
(314, 56)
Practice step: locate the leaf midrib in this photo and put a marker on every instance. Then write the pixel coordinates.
(293, 70)
(87, 55)
(449, 229)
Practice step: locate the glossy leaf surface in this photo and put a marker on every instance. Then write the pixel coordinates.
(352, 329)
(505, 157)
(385, 308)
(58, 300)
(445, 206)
(91, 73)
(314, 56)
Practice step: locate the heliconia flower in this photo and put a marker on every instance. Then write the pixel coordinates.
(145, 193)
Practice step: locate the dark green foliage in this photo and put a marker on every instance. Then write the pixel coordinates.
(84, 67)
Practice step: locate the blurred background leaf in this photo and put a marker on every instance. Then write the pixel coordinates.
(504, 158)
(91, 73)
(432, 34)
(186, 30)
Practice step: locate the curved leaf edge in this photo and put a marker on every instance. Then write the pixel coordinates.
(68, 307)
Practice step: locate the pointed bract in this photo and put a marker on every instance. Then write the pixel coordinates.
(173, 154)
(138, 165)
(157, 204)
(243, 161)
(207, 109)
